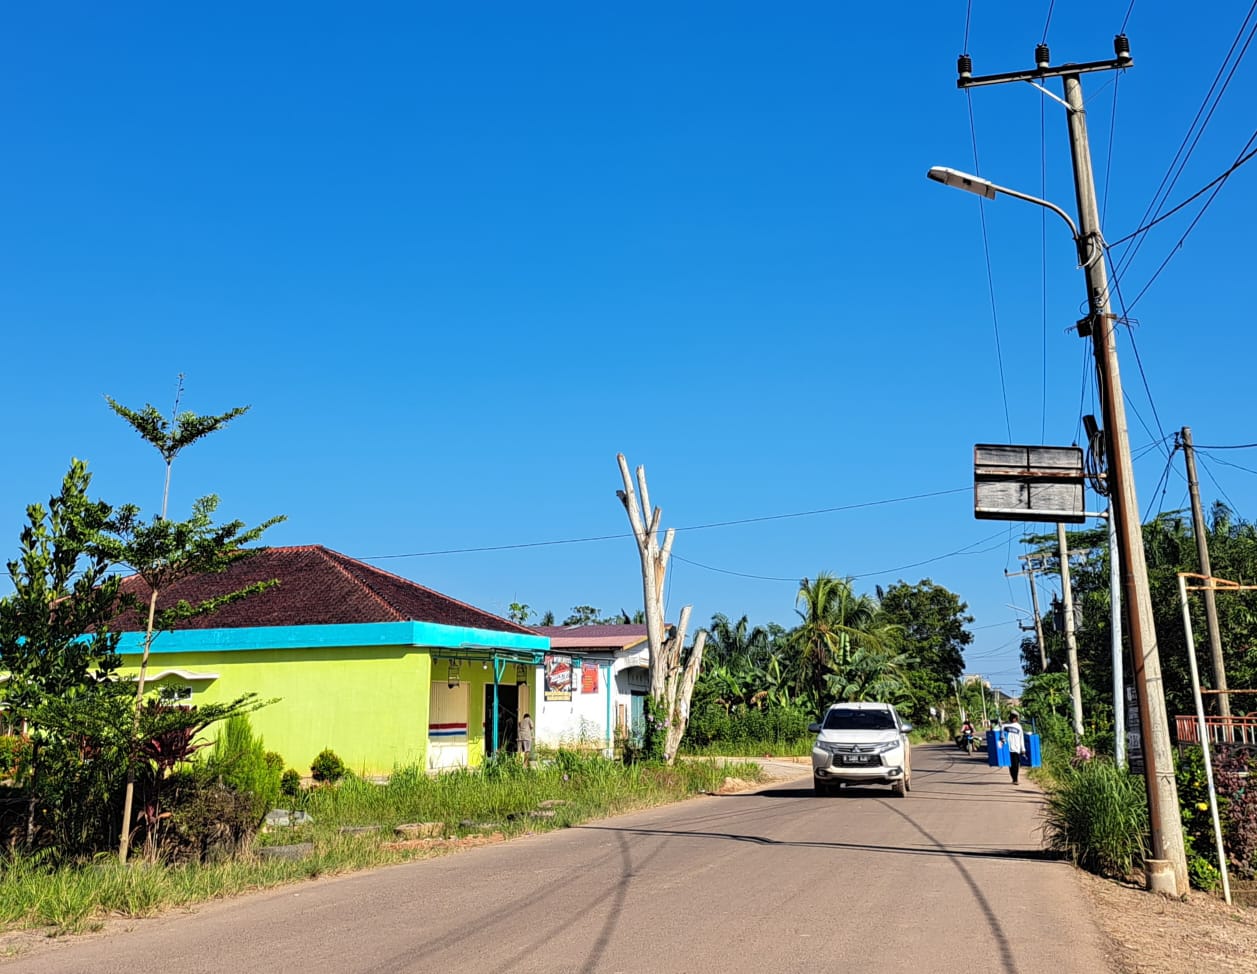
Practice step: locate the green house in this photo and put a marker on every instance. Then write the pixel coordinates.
(385, 672)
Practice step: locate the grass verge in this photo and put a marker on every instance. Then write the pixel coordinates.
(502, 799)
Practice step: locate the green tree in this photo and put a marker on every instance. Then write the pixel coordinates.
(728, 641)
(588, 615)
(55, 640)
(162, 552)
(519, 612)
(932, 621)
(835, 621)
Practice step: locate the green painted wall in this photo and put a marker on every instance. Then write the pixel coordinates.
(368, 704)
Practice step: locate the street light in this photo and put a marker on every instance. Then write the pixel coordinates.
(1166, 868)
(988, 190)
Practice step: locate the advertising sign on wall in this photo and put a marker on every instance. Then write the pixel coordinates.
(589, 678)
(558, 677)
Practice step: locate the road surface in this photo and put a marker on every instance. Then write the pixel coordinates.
(948, 879)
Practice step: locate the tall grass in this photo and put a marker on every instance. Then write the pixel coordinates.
(1097, 815)
(504, 797)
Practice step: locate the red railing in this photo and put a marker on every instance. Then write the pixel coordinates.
(1221, 730)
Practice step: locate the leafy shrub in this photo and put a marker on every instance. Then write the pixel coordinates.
(1097, 814)
(243, 764)
(209, 819)
(745, 729)
(1233, 774)
(327, 767)
(1237, 812)
(290, 783)
(15, 756)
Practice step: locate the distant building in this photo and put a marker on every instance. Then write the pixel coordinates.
(594, 685)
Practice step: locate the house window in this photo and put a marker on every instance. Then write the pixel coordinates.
(174, 694)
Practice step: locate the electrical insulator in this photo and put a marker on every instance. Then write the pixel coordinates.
(964, 66)
(1042, 57)
(1121, 47)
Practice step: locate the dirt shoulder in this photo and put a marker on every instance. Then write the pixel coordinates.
(1152, 934)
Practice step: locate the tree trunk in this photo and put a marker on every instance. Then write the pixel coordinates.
(671, 680)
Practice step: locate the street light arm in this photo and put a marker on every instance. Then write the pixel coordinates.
(988, 189)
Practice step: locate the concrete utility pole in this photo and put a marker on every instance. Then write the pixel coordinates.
(1071, 641)
(1166, 867)
(1202, 548)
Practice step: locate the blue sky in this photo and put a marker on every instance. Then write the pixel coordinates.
(457, 257)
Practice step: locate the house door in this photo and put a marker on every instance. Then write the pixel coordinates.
(508, 706)
(637, 720)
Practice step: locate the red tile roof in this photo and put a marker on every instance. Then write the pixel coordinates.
(317, 586)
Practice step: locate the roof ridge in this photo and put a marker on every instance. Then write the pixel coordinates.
(411, 582)
(336, 562)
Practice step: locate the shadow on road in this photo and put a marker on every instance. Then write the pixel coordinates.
(1031, 855)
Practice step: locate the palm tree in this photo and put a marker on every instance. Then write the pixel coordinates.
(835, 623)
(728, 641)
(873, 673)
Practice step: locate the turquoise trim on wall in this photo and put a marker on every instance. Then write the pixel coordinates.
(418, 634)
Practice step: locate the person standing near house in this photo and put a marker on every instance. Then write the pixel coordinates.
(1016, 738)
(525, 736)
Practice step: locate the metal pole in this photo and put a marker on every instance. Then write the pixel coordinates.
(497, 741)
(1204, 735)
(1211, 604)
(1071, 642)
(1166, 868)
(1115, 632)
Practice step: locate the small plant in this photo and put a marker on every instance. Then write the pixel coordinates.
(327, 768)
(290, 783)
(243, 764)
(1097, 814)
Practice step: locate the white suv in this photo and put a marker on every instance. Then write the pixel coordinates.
(861, 743)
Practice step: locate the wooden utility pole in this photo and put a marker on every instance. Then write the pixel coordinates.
(1202, 549)
(1030, 571)
(1071, 641)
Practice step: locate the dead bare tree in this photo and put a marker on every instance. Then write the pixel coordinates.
(671, 677)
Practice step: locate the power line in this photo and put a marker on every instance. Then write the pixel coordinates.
(692, 527)
(966, 550)
(1048, 22)
(1205, 467)
(1158, 198)
(1126, 19)
(1233, 446)
(1227, 463)
(1175, 249)
(990, 277)
(1195, 196)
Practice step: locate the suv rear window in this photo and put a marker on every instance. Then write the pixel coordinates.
(846, 719)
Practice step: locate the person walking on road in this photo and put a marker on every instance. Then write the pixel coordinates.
(1016, 738)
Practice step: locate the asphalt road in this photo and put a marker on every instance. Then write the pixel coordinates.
(948, 879)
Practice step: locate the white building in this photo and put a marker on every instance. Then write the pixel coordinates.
(592, 689)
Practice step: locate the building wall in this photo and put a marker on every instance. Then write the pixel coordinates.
(368, 704)
(587, 720)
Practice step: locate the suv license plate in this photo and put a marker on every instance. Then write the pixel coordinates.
(856, 759)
